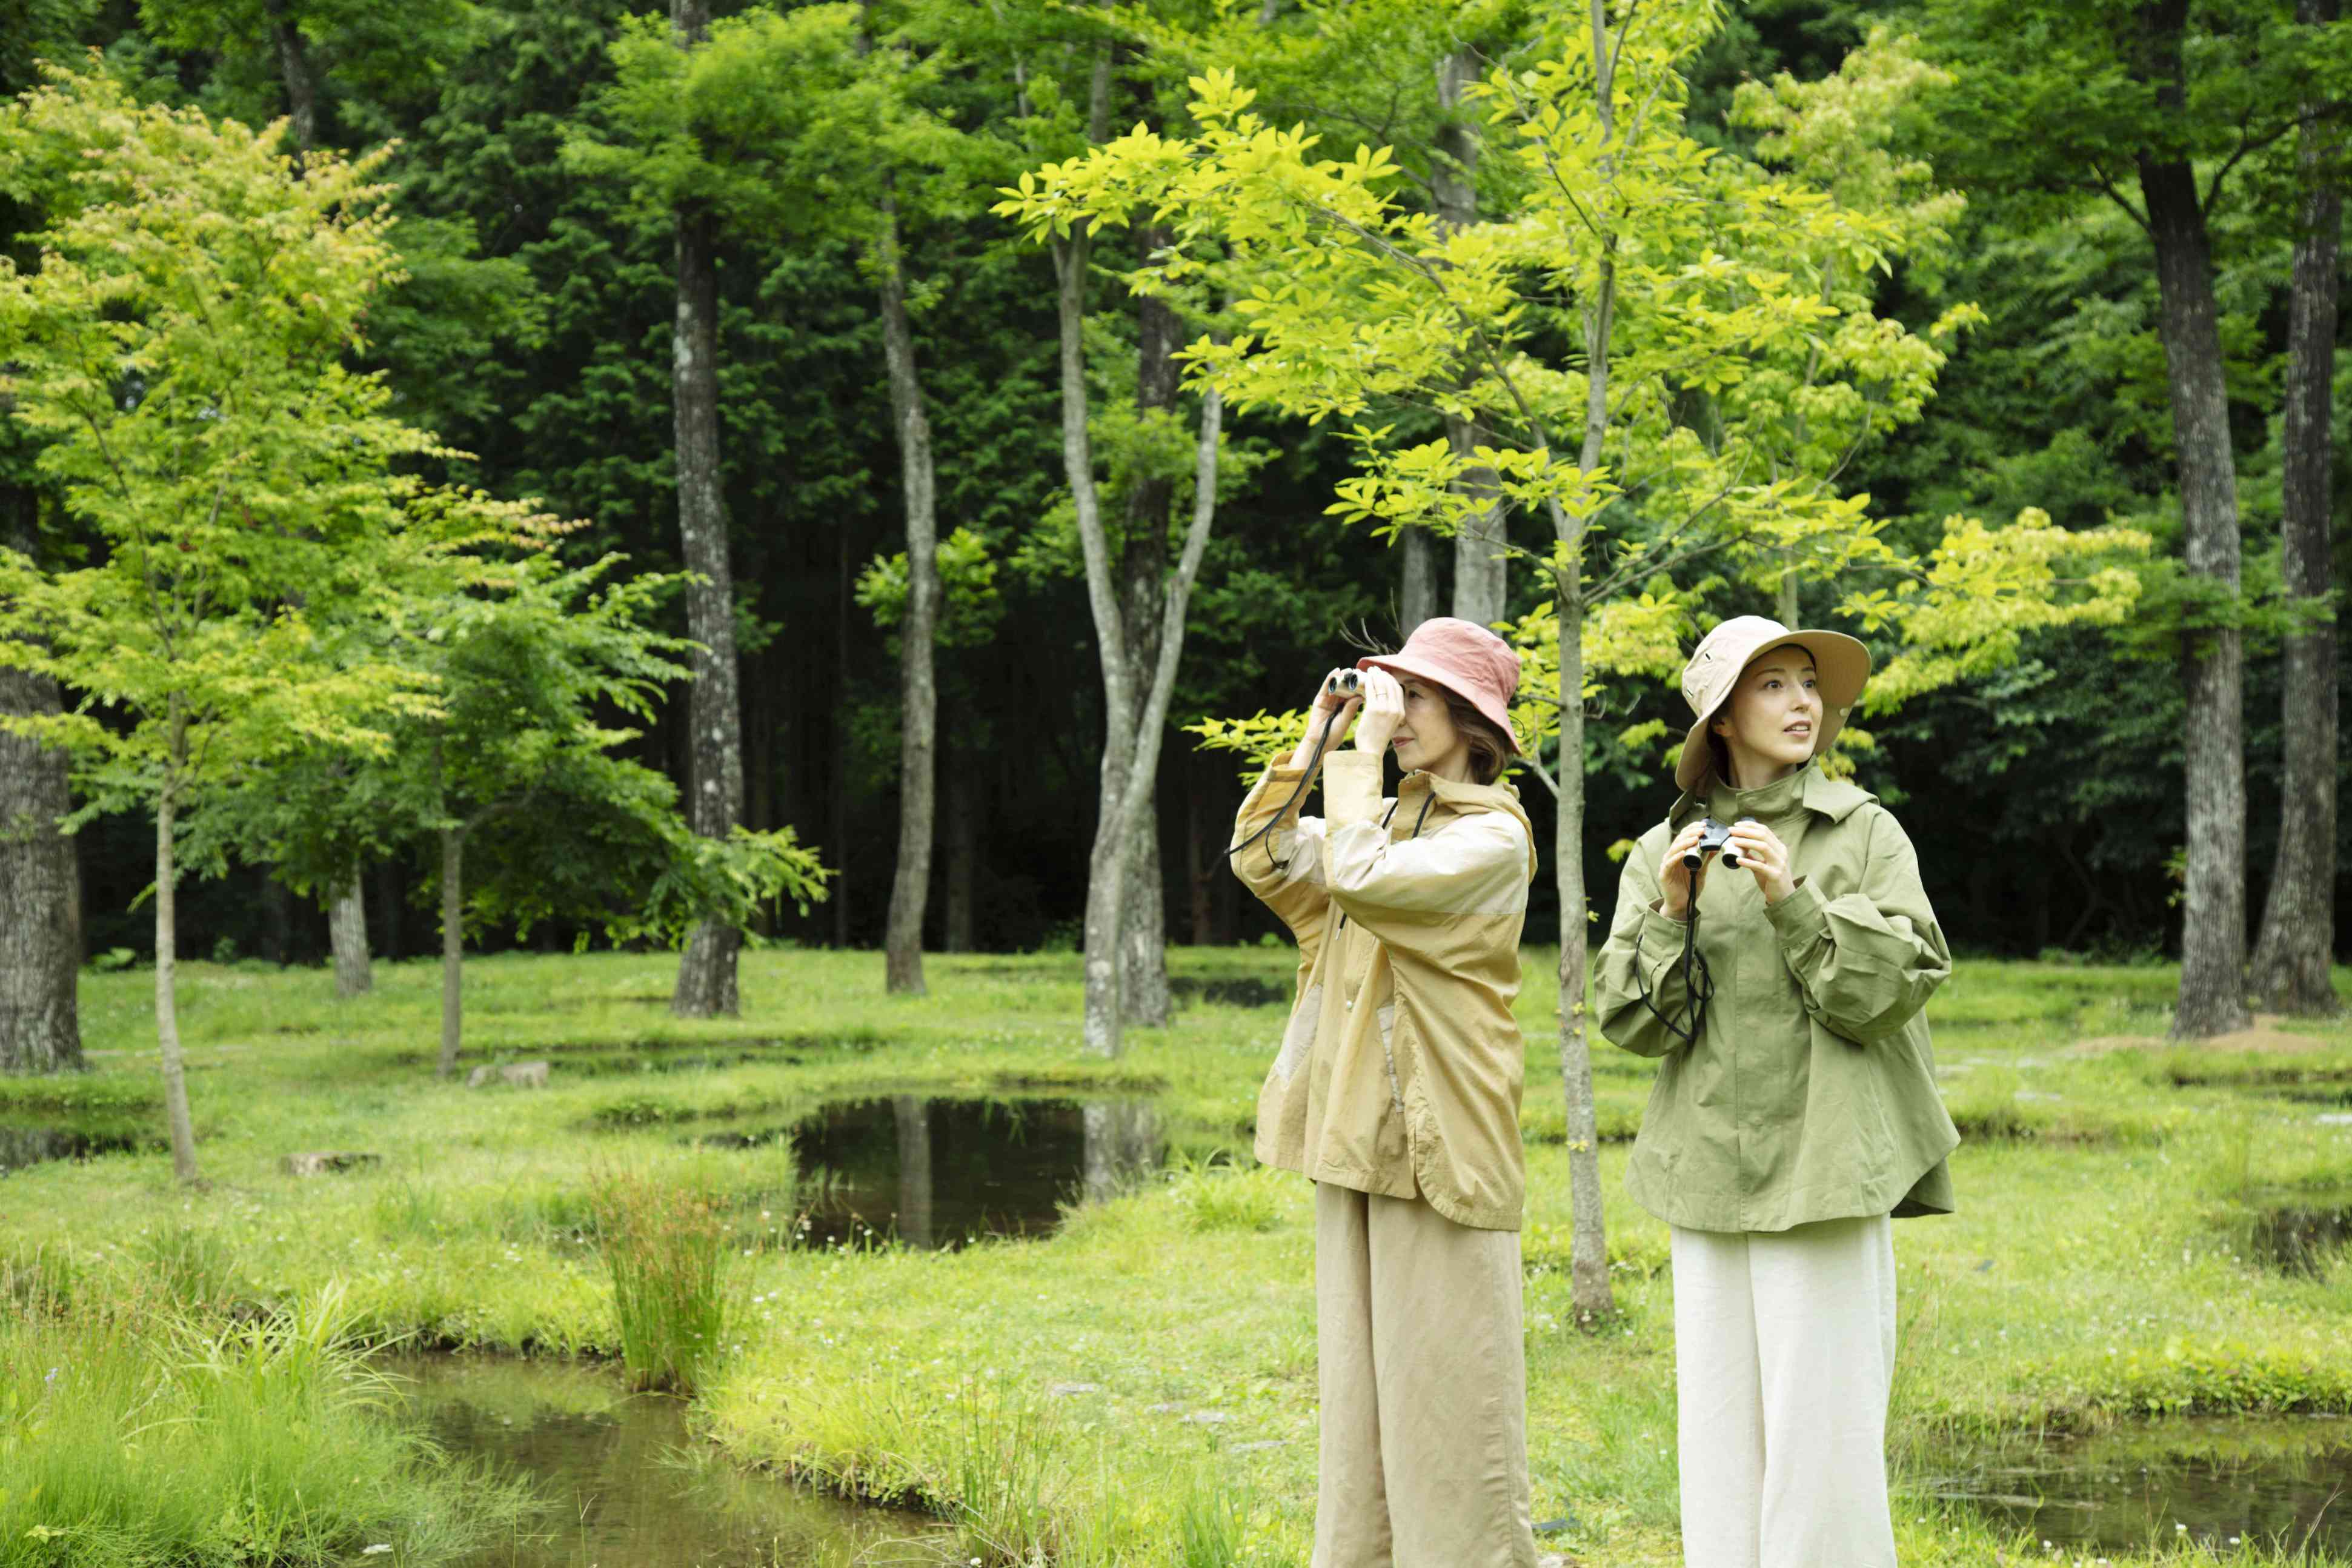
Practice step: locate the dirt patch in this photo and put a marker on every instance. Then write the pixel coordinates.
(2264, 1040)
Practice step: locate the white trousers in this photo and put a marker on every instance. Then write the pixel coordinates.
(1424, 1373)
(1784, 1350)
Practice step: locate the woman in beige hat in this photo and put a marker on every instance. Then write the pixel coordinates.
(1396, 1089)
(1795, 1111)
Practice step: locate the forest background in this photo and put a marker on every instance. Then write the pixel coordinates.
(534, 330)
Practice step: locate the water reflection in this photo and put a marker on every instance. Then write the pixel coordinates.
(938, 1173)
(23, 1144)
(2299, 1239)
(623, 1480)
(2207, 1480)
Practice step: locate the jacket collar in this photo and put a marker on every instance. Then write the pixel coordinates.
(1836, 799)
(1462, 797)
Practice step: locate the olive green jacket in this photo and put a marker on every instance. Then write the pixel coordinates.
(1810, 1093)
(1399, 1071)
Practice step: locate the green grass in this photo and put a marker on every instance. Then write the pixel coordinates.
(2095, 1276)
(133, 1432)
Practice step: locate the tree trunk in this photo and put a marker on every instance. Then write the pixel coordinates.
(40, 906)
(347, 934)
(705, 975)
(167, 976)
(452, 946)
(2213, 935)
(1417, 593)
(301, 81)
(2290, 972)
(1143, 966)
(910, 884)
(1589, 1246)
(1480, 569)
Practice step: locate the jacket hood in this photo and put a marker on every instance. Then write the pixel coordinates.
(1464, 797)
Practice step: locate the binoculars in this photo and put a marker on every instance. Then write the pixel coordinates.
(1713, 836)
(1345, 683)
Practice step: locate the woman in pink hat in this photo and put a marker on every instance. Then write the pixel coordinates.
(1774, 950)
(1396, 1089)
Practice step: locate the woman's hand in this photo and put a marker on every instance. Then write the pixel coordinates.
(1384, 710)
(1677, 883)
(1760, 851)
(1336, 708)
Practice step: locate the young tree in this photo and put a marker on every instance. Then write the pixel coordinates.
(724, 128)
(1637, 270)
(180, 346)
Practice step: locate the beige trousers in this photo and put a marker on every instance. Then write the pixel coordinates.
(1784, 1350)
(1424, 1453)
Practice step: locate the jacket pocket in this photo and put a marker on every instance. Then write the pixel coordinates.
(1298, 1039)
(1387, 1019)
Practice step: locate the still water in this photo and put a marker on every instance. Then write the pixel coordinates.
(624, 1485)
(938, 1173)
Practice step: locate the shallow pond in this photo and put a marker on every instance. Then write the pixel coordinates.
(34, 1143)
(938, 1173)
(622, 1481)
(2217, 1481)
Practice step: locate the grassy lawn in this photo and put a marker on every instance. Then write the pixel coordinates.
(1139, 1387)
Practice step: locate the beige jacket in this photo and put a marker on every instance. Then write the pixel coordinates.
(1400, 1070)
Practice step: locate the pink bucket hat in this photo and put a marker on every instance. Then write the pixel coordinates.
(1467, 659)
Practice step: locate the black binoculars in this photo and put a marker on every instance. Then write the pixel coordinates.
(1713, 837)
(1346, 682)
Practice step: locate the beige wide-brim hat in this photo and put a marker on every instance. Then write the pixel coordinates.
(1723, 656)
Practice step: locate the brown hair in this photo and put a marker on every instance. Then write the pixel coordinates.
(1489, 747)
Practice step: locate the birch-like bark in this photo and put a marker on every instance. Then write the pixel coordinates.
(1480, 568)
(2290, 971)
(1143, 991)
(910, 883)
(1589, 1243)
(707, 972)
(347, 935)
(167, 952)
(2213, 935)
(453, 947)
(40, 904)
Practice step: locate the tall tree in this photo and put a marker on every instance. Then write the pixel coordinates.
(705, 975)
(2298, 933)
(2155, 107)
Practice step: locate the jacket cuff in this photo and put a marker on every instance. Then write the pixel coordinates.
(1798, 918)
(1656, 922)
(1351, 787)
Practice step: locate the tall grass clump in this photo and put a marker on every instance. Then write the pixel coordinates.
(132, 1434)
(665, 1244)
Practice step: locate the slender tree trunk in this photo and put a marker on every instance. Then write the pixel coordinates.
(707, 974)
(911, 885)
(1143, 991)
(1589, 1246)
(452, 946)
(347, 934)
(2290, 973)
(301, 80)
(1417, 593)
(1144, 996)
(167, 973)
(40, 909)
(2213, 935)
(1480, 569)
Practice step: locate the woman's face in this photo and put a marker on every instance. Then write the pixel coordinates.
(1427, 737)
(1774, 717)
